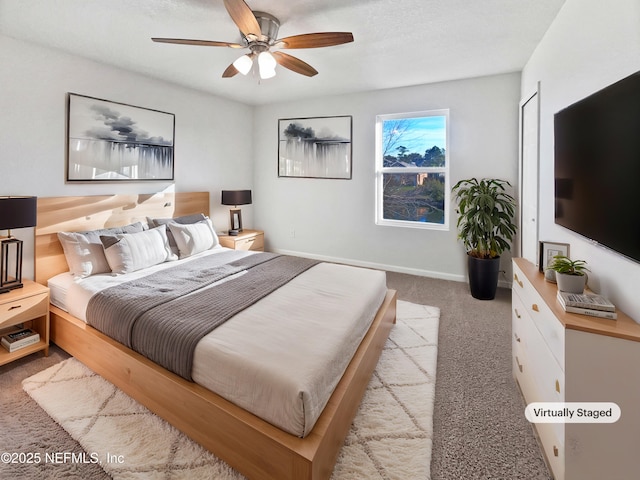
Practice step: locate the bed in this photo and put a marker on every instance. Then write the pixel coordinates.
(248, 443)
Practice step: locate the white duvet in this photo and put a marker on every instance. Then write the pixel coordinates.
(282, 357)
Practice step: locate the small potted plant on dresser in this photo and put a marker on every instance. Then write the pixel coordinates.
(571, 275)
(485, 226)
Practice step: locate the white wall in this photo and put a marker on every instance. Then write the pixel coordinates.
(211, 148)
(332, 219)
(590, 45)
(335, 219)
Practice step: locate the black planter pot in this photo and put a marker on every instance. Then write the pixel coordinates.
(483, 277)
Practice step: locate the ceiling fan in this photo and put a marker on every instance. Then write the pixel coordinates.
(259, 34)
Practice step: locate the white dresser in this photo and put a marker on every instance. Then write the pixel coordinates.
(563, 357)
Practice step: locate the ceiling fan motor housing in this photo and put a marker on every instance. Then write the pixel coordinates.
(269, 26)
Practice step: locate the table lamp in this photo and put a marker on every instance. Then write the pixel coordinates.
(15, 212)
(235, 198)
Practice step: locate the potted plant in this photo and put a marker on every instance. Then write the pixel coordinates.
(485, 226)
(571, 275)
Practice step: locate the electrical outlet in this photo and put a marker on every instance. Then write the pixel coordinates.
(292, 232)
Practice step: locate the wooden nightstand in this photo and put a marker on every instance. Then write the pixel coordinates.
(26, 307)
(245, 240)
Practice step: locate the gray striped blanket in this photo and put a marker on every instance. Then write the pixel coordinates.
(165, 314)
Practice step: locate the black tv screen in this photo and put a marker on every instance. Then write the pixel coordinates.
(597, 167)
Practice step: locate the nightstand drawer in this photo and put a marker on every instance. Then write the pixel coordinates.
(252, 243)
(29, 306)
(246, 240)
(24, 309)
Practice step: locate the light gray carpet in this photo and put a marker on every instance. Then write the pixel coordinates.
(480, 431)
(479, 427)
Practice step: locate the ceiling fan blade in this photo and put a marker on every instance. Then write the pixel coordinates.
(243, 17)
(230, 72)
(315, 40)
(204, 43)
(294, 64)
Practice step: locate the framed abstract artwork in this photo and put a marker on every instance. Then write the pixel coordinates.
(318, 147)
(109, 141)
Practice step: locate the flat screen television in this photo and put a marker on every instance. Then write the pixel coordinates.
(597, 167)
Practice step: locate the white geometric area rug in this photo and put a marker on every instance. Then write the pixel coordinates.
(390, 437)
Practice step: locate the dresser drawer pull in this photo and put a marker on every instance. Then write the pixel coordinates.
(517, 337)
(555, 451)
(518, 281)
(558, 386)
(535, 308)
(249, 240)
(518, 363)
(14, 307)
(516, 312)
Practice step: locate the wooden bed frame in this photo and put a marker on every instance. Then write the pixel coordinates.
(250, 445)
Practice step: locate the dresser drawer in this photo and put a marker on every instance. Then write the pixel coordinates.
(24, 309)
(547, 373)
(523, 345)
(550, 435)
(550, 328)
(523, 374)
(545, 379)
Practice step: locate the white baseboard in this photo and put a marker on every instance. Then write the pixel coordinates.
(506, 283)
(377, 266)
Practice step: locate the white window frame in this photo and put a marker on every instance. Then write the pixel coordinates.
(381, 170)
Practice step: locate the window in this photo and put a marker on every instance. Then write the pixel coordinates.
(412, 169)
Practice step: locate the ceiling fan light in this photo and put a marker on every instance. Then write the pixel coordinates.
(266, 61)
(267, 73)
(267, 65)
(243, 64)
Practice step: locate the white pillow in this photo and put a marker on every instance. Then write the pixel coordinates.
(193, 238)
(128, 252)
(84, 251)
(83, 257)
(156, 222)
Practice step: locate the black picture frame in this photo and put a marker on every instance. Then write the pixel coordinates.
(116, 142)
(315, 147)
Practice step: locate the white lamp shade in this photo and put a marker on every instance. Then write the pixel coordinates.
(267, 65)
(243, 64)
(264, 74)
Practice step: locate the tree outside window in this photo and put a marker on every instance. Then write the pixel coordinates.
(412, 170)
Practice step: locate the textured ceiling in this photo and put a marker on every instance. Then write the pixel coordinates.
(397, 42)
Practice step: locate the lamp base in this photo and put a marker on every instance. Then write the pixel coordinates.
(234, 233)
(10, 263)
(236, 220)
(12, 287)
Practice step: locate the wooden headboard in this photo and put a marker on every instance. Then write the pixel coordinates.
(72, 214)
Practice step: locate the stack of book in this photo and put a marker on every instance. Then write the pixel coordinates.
(587, 304)
(19, 339)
